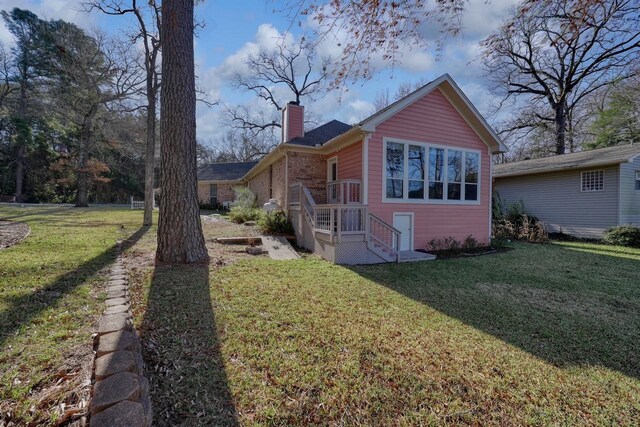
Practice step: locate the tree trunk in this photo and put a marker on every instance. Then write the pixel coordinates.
(82, 178)
(561, 127)
(19, 171)
(180, 238)
(21, 141)
(150, 156)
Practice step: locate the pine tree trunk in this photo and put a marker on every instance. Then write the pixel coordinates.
(22, 142)
(561, 127)
(82, 181)
(150, 156)
(82, 178)
(180, 238)
(19, 171)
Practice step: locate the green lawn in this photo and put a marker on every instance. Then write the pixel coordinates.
(540, 334)
(49, 300)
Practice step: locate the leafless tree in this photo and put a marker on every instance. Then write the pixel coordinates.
(294, 68)
(553, 54)
(383, 99)
(365, 29)
(147, 16)
(180, 238)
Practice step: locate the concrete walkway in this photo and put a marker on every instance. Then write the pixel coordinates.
(279, 248)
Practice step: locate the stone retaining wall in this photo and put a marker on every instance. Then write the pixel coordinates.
(120, 394)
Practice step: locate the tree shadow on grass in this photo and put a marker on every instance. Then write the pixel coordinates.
(578, 309)
(181, 349)
(23, 309)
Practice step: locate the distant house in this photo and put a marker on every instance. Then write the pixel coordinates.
(383, 188)
(216, 181)
(581, 194)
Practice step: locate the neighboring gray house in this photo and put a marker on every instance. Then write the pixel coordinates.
(581, 194)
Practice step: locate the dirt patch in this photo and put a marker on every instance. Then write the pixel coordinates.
(12, 233)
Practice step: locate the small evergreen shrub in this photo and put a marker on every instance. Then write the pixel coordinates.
(241, 215)
(623, 236)
(275, 223)
(245, 207)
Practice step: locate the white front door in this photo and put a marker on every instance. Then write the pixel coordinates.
(404, 223)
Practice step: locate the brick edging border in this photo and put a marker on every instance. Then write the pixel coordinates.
(120, 393)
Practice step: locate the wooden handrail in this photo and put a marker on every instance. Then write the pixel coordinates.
(383, 222)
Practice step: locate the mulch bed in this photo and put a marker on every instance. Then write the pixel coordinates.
(12, 233)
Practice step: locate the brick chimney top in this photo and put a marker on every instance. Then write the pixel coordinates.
(292, 121)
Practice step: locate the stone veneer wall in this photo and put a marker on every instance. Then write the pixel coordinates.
(120, 391)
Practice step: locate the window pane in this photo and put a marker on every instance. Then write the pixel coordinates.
(471, 191)
(416, 162)
(394, 188)
(436, 164)
(435, 190)
(453, 192)
(471, 167)
(395, 160)
(637, 180)
(593, 181)
(454, 166)
(416, 189)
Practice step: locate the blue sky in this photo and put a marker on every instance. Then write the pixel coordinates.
(235, 28)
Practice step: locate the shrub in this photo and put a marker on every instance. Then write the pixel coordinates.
(623, 236)
(513, 222)
(244, 198)
(275, 223)
(240, 214)
(245, 206)
(451, 245)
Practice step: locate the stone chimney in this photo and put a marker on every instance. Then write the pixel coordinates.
(292, 121)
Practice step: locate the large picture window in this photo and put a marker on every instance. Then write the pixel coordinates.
(416, 171)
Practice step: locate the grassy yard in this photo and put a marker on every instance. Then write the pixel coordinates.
(49, 300)
(540, 334)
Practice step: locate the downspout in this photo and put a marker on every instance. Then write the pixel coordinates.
(286, 182)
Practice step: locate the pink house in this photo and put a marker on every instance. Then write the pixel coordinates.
(382, 189)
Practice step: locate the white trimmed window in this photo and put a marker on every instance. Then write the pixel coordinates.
(593, 181)
(417, 172)
(637, 180)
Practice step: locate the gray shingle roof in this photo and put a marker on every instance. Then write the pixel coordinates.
(584, 159)
(322, 134)
(224, 171)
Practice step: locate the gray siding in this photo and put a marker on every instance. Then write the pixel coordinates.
(557, 200)
(629, 196)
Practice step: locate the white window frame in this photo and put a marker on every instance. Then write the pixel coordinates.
(582, 175)
(426, 201)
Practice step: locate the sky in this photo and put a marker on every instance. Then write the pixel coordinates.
(234, 29)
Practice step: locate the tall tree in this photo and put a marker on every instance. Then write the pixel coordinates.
(92, 74)
(180, 238)
(29, 64)
(553, 54)
(618, 122)
(293, 68)
(148, 20)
